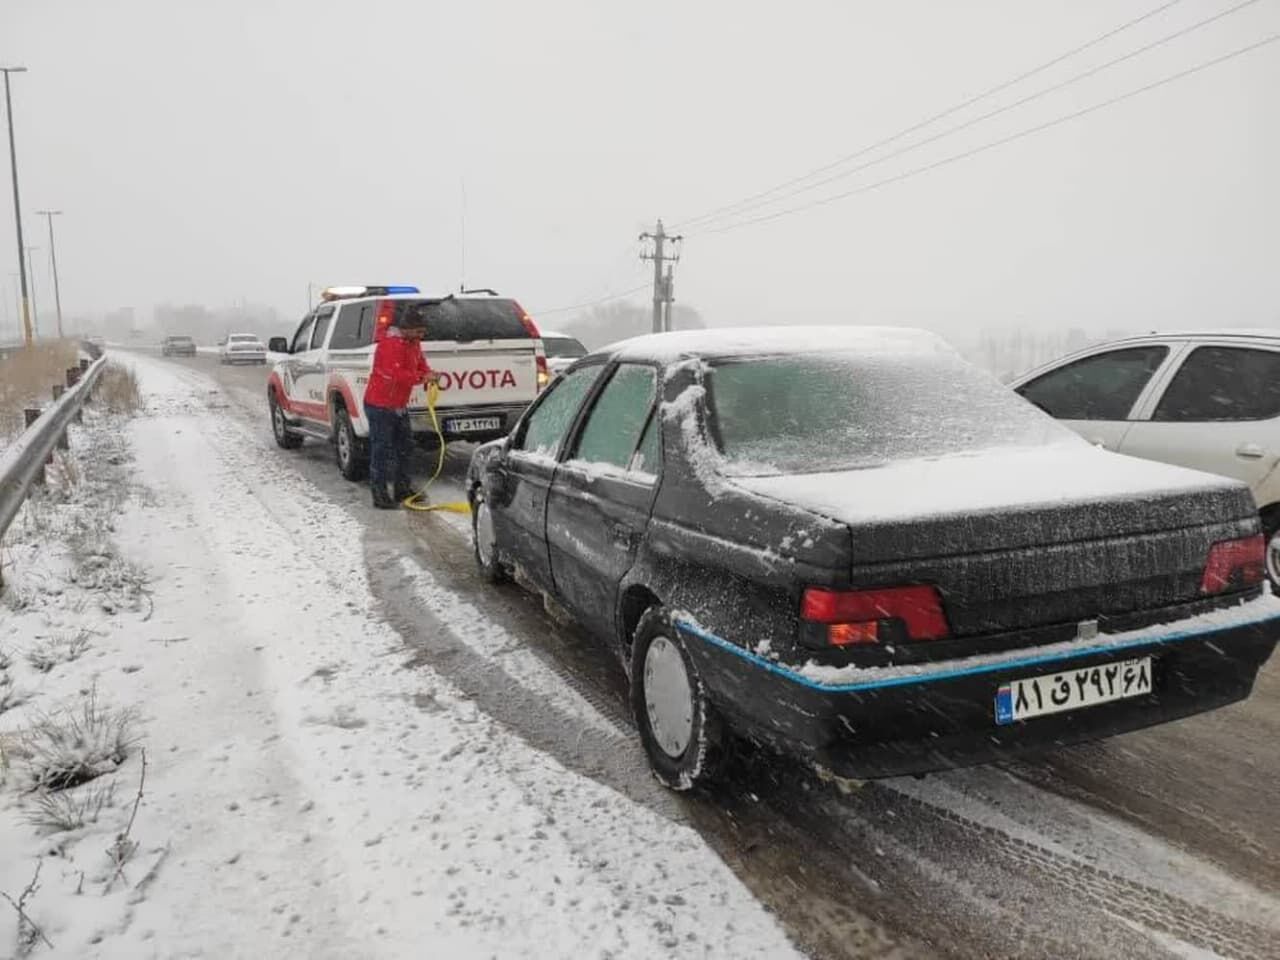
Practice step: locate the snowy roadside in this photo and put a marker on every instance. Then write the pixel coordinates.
(306, 793)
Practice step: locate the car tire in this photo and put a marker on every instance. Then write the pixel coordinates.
(351, 453)
(285, 438)
(680, 730)
(1271, 533)
(483, 543)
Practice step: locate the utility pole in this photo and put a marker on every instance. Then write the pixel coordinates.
(34, 330)
(53, 259)
(662, 286)
(17, 204)
(669, 298)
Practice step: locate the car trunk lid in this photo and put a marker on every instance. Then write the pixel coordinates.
(1028, 537)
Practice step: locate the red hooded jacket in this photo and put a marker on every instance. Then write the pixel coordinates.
(398, 367)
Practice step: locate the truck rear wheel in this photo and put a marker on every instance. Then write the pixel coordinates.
(352, 452)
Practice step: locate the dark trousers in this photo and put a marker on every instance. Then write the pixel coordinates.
(390, 442)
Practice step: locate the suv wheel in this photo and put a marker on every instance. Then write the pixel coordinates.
(679, 727)
(353, 458)
(483, 541)
(285, 437)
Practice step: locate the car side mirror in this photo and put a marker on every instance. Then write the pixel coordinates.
(278, 345)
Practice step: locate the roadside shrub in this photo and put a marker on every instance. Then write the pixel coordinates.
(78, 743)
(64, 648)
(118, 390)
(64, 810)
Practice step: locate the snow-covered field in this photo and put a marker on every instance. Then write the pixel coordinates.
(307, 792)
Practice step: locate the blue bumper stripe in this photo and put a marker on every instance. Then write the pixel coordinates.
(953, 673)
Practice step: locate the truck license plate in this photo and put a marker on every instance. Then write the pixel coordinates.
(473, 424)
(1072, 689)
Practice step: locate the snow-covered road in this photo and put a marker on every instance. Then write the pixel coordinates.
(355, 749)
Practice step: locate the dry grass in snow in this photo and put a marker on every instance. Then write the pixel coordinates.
(28, 376)
(118, 389)
(76, 744)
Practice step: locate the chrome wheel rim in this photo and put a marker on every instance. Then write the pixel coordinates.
(668, 697)
(277, 419)
(344, 445)
(484, 533)
(1273, 558)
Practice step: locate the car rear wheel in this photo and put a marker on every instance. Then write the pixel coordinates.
(483, 540)
(285, 437)
(681, 732)
(353, 460)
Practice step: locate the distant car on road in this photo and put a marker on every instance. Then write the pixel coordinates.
(1208, 400)
(486, 350)
(178, 347)
(243, 348)
(562, 350)
(851, 544)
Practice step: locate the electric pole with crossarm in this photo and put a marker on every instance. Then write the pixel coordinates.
(663, 286)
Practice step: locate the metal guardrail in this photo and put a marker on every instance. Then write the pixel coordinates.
(22, 463)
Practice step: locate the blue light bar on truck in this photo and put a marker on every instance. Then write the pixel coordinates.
(346, 293)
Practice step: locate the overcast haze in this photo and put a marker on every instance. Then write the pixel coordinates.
(208, 152)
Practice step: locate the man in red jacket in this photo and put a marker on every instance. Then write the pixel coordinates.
(398, 367)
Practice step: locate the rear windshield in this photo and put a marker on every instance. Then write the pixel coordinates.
(179, 339)
(811, 413)
(464, 319)
(244, 338)
(558, 347)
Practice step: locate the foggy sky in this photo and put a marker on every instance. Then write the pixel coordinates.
(209, 152)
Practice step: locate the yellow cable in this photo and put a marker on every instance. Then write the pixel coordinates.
(411, 502)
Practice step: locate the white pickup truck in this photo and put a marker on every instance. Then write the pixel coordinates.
(486, 349)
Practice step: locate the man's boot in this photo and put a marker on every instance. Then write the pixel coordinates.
(382, 501)
(403, 492)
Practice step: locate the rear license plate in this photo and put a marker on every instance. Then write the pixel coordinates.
(1072, 689)
(473, 424)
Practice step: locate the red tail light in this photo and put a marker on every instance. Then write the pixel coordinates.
(861, 616)
(384, 314)
(1234, 565)
(544, 373)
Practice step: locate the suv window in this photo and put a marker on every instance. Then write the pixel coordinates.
(465, 320)
(545, 427)
(353, 328)
(1223, 383)
(303, 336)
(1102, 387)
(560, 347)
(613, 429)
(323, 317)
(648, 458)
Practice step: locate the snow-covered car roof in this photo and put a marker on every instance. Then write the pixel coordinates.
(746, 341)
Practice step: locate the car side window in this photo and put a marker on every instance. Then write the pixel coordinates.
(1102, 387)
(302, 338)
(324, 317)
(347, 334)
(544, 430)
(648, 456)
(618, 417)
(1223, 383)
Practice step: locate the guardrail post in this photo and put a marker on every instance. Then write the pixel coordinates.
(73, 377)
(63, 443)
(84, 365)
(31, 416)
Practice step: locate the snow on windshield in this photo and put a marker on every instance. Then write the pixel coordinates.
(808, 413)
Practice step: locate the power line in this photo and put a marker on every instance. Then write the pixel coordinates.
(945, 161)
(591, 303)
(1084, 75)
(715, 214)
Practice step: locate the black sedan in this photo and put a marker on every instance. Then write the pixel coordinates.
(852, 545)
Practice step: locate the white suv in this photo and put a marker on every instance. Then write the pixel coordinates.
(486, 350)
(1210, 401)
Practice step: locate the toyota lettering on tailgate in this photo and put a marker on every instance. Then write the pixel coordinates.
(477, 379)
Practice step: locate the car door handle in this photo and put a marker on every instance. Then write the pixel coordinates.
(1250, 451)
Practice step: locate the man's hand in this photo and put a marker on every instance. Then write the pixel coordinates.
(431, 378)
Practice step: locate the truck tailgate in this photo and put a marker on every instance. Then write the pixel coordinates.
(478, 374)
